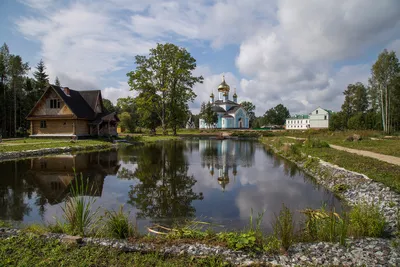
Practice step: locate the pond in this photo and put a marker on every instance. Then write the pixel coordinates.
(219, 181)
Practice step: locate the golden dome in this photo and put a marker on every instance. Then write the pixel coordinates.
(223, 86)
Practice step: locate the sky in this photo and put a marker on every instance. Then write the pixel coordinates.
(302, 54)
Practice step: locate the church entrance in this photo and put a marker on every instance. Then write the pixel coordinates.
(240, 123)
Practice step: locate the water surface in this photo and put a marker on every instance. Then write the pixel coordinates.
(218, 181)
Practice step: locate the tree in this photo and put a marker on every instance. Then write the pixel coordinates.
(164, 81)
(17, 71)
(384, 73)
(126, 122)
(57, 81)
(108, 105)
(208, 115)
(277, 115)
(127, 105)
(249, 107)
(41, 77)
(4, 62)
(355, 102)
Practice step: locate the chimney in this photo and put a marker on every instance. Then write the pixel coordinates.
(66, 91)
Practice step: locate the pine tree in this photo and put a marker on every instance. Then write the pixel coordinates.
(41, 77)
(57, 81)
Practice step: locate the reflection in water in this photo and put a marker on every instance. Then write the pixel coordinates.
(165, 190)
(215, 180)
(51, 179)
(220, 156)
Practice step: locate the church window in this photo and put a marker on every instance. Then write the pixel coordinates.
(325, 117)
(316, 112)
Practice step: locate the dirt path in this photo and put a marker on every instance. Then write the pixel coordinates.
(386, 158)
(381, 157)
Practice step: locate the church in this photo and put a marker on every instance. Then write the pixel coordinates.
(231, 115)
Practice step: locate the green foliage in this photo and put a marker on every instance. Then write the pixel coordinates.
(207, 114)
(77, 210)
(41, 77)
(31, 250)
(57, 81)
(283, 226)
(164, 81)
(117, 224)
(277, 115)
(126, 122)
(366, 220)
(315, 143)
(339, 188)
(249, 108)
(323, 225)
(108, 105)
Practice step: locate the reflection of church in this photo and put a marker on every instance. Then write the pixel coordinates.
(222, 157)
(54, 176)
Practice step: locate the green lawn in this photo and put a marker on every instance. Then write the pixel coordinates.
(377, 170)
(384, 146)
(31, 250)
(33, 144)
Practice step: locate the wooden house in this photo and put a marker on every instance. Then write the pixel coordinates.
(63, 112)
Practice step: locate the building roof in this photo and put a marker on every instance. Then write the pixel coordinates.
(230, 102)
(234, 109)
(81, 103)
(217, 108)
(227, 116)
(223, 86)
(77, 103)
(299, 117)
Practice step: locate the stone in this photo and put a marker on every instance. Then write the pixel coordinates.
(357, 137)
(69, 239)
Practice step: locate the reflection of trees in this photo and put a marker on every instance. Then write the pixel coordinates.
(13, 191)
(165, 188)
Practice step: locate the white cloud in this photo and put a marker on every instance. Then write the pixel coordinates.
(113, 93)
(288, 49)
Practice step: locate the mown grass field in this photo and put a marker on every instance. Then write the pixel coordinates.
(33, 144)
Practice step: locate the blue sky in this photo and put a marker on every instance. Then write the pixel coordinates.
(299, 53)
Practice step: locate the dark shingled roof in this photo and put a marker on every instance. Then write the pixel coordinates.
(90, 97)
(216, 108)
(233, 109)
(230, 102)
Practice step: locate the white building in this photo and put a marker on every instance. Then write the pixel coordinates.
(317, 119)
(231, 115)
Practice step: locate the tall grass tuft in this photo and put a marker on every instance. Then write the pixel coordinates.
(78, 215)
(323, 225)
(118, 225)
(283, 227)
(367, 220)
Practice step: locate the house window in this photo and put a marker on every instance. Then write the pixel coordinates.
(43, 124)
(55, 103)
(325, 117)
(316, 112)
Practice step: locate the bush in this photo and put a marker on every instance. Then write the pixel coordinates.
(315, 143)
(118, 225)
(323, 225)
(367, 220)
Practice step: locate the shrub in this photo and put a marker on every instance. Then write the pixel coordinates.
(315, 143)
(283, 227)
(118, 225)
(367, 220)
(323, 225)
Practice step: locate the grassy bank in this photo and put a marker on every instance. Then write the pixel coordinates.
(377, 170)
(34, 144)
(373, 141)
(32, 250)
